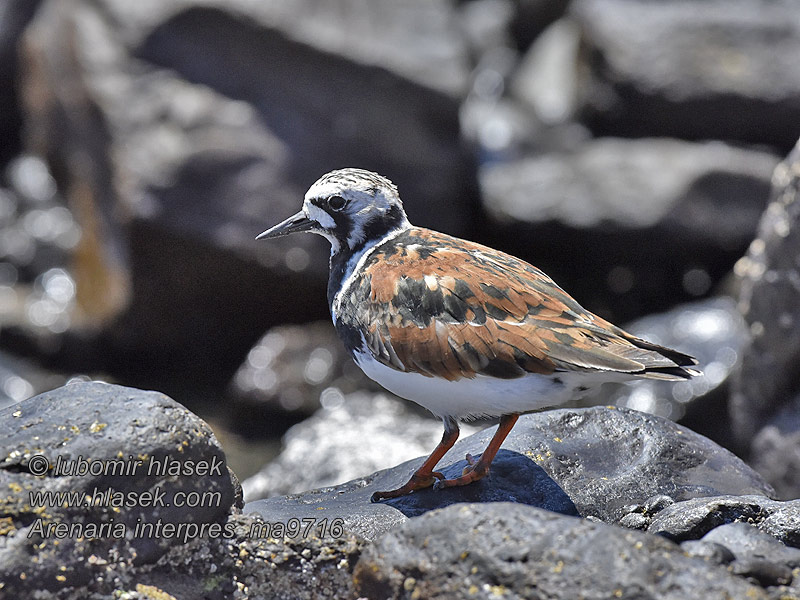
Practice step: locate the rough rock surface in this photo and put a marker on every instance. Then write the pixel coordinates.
(746, 543)
(770, 301)
(515, 551)
(593, 461)
(696, 70)
(514, 477)
(253, 564)
(352, 435)
(334, 543)
(237, 557)
(112, 429)
(694, 518)
(670, 216)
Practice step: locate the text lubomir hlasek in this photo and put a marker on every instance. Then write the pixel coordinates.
(131, 466)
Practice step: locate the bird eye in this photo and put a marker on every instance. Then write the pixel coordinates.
(336, 202)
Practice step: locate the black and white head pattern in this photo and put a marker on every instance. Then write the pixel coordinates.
(353, 207)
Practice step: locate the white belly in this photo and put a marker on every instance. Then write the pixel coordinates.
(480, 396)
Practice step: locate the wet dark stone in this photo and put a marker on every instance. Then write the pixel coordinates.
(763, 571)
(523, 552)
(593, 462)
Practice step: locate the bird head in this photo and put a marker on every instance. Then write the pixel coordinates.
(349, 207)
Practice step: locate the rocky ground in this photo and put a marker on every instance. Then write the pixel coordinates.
(641, 153)
(587, 502)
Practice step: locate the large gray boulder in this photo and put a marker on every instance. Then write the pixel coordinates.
(92, 469)
(516, 551)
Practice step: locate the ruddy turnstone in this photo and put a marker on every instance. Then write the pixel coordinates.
(460, 328)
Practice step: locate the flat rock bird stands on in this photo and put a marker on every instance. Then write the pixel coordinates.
(460, 328)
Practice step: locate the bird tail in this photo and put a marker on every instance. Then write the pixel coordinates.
(678, 372)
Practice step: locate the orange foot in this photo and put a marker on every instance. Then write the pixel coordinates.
(474, 471)
(419, 481)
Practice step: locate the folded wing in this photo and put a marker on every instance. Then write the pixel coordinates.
(438, 305)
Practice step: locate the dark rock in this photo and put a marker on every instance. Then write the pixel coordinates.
(121, 434)
(639, 516)
(747, 542)
(784, 523)
(514, 23)
(667, 218)
(694, 518)
(765, 572)
(533, 16)
(254, 565)
(711, 551)
(775, 449)
(635, 520)
(246, 564)
(514, 478)
(518, 551)
(14, 16)
(244, 557)
(758, 555)
(695, 70)
(657, 503)
(200, 144)
(605, 459)
(290, 368)
(351, 435)
(770, 302)
(594, 461)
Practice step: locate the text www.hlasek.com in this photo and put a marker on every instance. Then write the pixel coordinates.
(112, 498)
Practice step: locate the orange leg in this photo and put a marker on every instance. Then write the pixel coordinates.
(480, 468)
(425, 475)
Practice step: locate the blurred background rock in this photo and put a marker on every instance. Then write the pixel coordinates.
(626, 147)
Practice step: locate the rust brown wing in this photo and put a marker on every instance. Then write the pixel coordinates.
(437, 305)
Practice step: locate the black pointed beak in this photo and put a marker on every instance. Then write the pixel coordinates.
(293, 224)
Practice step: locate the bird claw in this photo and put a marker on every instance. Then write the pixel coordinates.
(471, 462)
(418, 481)
(474, 471)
